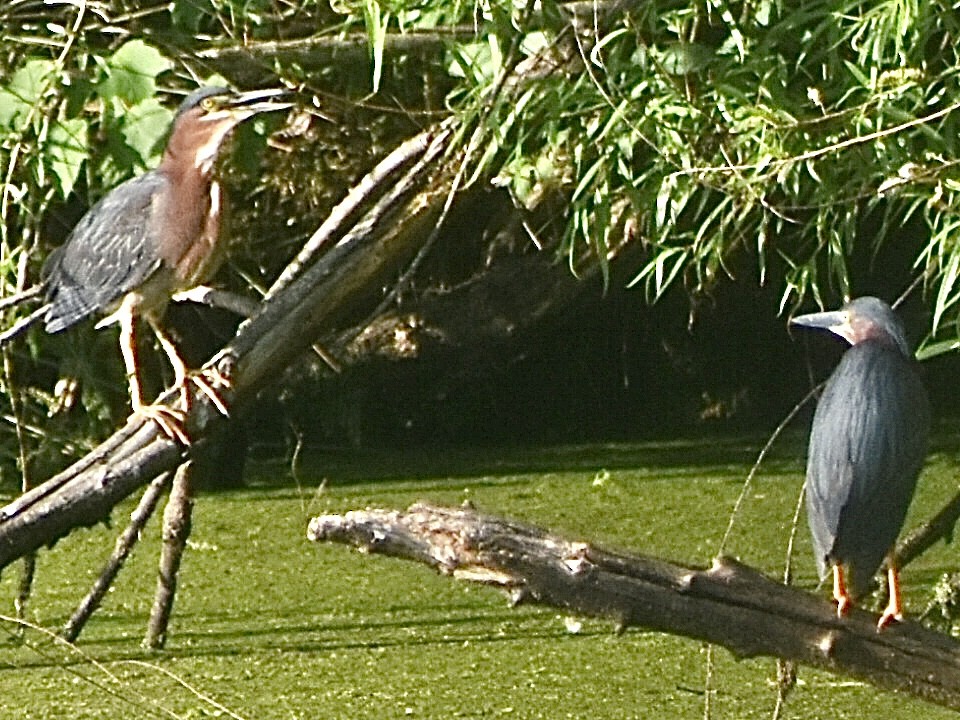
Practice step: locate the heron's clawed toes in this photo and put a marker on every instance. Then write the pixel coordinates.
(207, 382)
(889, 617)
(169, 421)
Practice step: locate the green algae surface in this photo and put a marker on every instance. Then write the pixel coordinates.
(268, 625)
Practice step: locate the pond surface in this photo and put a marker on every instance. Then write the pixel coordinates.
(268, 625)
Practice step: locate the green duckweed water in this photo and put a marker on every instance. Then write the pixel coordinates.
(268, 625)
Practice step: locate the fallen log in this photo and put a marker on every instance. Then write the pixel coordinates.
(728, 604)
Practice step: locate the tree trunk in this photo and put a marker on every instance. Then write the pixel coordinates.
(729, 604)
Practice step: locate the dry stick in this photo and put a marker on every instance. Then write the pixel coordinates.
(28, 569)
(786, 669)
(738, 504)
(22, 325)
(112, 685)
(20, 297)
(240, 305)
(920, 539)
(176, 530)
(124, 545)
(729, 604)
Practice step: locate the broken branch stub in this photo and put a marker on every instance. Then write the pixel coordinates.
(729, 604)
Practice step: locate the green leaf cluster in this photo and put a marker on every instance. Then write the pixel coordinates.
(771, 139)
(51, 120)
(72, 125)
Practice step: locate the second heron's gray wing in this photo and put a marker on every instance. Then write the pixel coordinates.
(867, 445)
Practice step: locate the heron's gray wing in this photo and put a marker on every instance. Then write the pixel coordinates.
(112, 250)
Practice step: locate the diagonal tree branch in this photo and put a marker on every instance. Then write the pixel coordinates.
(329, 289)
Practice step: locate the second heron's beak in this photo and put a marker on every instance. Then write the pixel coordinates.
(836, 321)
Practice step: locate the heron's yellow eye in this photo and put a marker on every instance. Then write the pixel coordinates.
(208, 103)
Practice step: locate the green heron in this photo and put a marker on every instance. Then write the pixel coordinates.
(150, 238)
(867, 444)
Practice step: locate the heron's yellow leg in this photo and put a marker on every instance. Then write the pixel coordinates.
(167, 419)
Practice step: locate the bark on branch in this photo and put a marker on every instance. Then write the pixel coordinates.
(729, 604)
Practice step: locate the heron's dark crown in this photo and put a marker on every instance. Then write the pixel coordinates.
(198, 96)
(872, 319)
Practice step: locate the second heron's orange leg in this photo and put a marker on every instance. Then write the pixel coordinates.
(894, 610)
(840, 594)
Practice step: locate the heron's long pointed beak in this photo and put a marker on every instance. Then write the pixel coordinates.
(828, 320)
(241, 106)
(836, 321)
(258, 101)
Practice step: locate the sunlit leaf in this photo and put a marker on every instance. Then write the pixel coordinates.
(66, 152)
(144, 127)
(931, 350)
(131, 72)
(685, 58)
(30, 82)
(945, 293)
(377, 22)
(12, 109)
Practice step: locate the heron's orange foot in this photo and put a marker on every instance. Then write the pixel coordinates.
(167, 419)
(893, 612)
(207, 382)
(844, 604)
(888, 618)
(840, 594)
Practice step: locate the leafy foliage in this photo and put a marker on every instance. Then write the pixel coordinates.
(772, 142)
(771, 131)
